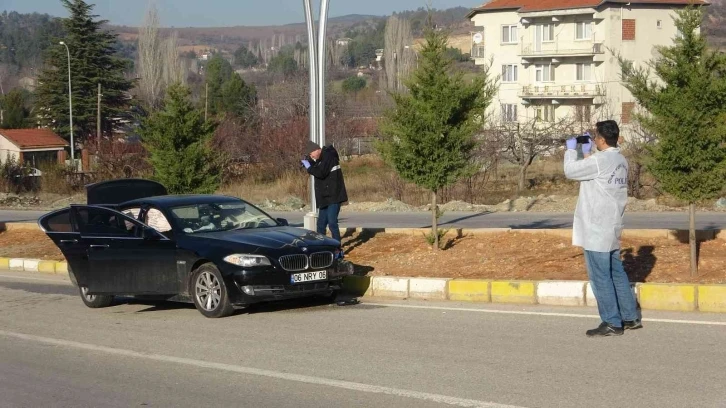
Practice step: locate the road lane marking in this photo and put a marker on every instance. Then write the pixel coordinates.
(348, 385)
(550, 314)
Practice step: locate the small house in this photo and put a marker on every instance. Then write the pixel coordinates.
(32, 146)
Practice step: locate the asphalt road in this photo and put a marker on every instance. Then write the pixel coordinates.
(56, 352)
(668, 220)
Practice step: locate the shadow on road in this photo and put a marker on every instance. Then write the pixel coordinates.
(542, 224)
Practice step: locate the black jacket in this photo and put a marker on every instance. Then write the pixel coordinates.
(329, 183)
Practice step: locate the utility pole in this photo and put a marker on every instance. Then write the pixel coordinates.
(70, 107)
(206, 100)
(98, 118)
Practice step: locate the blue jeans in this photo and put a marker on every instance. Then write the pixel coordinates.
(610, 284)
(328, 217)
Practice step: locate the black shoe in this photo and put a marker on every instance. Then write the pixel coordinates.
(605, 330)
(632, 324)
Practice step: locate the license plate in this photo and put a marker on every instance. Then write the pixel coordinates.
(309, 276)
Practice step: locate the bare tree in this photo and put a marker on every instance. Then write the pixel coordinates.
(399, 54)
(150, 64)
(523, 142)
(173, 66)
(159, 63)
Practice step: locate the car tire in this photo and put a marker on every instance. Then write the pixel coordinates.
(210, 293)
(94, 301)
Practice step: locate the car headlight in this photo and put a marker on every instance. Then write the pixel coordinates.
(247, 261)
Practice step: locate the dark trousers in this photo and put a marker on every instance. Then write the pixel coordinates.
(328, 218)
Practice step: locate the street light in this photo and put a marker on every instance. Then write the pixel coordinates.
(70, 103)
(317, 56)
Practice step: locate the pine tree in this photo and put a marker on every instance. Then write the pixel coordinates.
(429, 136)
(686, 110)
(92, 62)
(15, 115)
(178, 140)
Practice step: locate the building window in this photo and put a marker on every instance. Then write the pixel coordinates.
(544, 73)
(659, 24)
(545, 113)
(509, 112)
(583, 113)
(584, 72)
(509, 73)
(548, 32)
(583, 30)
(628, 30)
(509, 34)
(627, 115)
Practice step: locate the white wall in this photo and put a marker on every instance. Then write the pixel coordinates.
(7, 148)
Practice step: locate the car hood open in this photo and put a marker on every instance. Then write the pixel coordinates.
(273, 238)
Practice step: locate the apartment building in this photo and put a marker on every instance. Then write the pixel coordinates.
(557, 57)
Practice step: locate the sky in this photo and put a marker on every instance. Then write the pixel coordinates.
(216, 13)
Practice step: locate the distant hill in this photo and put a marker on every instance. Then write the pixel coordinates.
(715, 23)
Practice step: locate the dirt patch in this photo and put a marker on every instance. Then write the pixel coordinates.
(527, 257)
(28, 244)
(520, 256)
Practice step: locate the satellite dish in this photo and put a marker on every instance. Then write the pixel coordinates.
(478, 38)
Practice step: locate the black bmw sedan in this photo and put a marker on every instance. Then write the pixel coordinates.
(133, 239)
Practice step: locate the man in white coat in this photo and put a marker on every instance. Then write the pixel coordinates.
(598, 223)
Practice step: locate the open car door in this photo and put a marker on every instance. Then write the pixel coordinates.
(111, 253)
(59, 227)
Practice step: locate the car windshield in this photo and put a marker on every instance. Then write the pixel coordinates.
(225, 216)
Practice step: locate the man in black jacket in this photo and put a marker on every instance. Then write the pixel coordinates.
(324, 165)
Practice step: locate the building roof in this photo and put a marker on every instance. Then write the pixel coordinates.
(33, 138)
(526, 6)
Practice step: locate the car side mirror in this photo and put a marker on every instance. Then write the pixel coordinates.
(150, 234)
(283, 222)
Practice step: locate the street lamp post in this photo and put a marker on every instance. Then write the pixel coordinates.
(70, 103)
(317, 58)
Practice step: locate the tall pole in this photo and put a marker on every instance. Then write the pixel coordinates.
(70, 105)
(313, 74)
(206, 100)
(322, 65)
(98, 117)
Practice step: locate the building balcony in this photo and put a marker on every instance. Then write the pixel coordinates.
(478, 51)
(571, 91)
(555, 50)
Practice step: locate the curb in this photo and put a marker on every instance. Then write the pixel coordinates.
(34, 265)
(651, 296)
(672, 234)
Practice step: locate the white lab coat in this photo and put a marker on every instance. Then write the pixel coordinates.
(603, 195)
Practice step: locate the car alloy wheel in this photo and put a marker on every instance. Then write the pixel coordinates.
(86, 296)
(95, 301)
(208, 291)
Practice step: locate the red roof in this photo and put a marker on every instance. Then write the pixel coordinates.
(33, 138)
(525, 6)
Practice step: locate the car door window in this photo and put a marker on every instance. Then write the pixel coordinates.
(156, 220)
(102, 222)
(59, 221)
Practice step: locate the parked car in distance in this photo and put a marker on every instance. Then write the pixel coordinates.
(133, 239)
